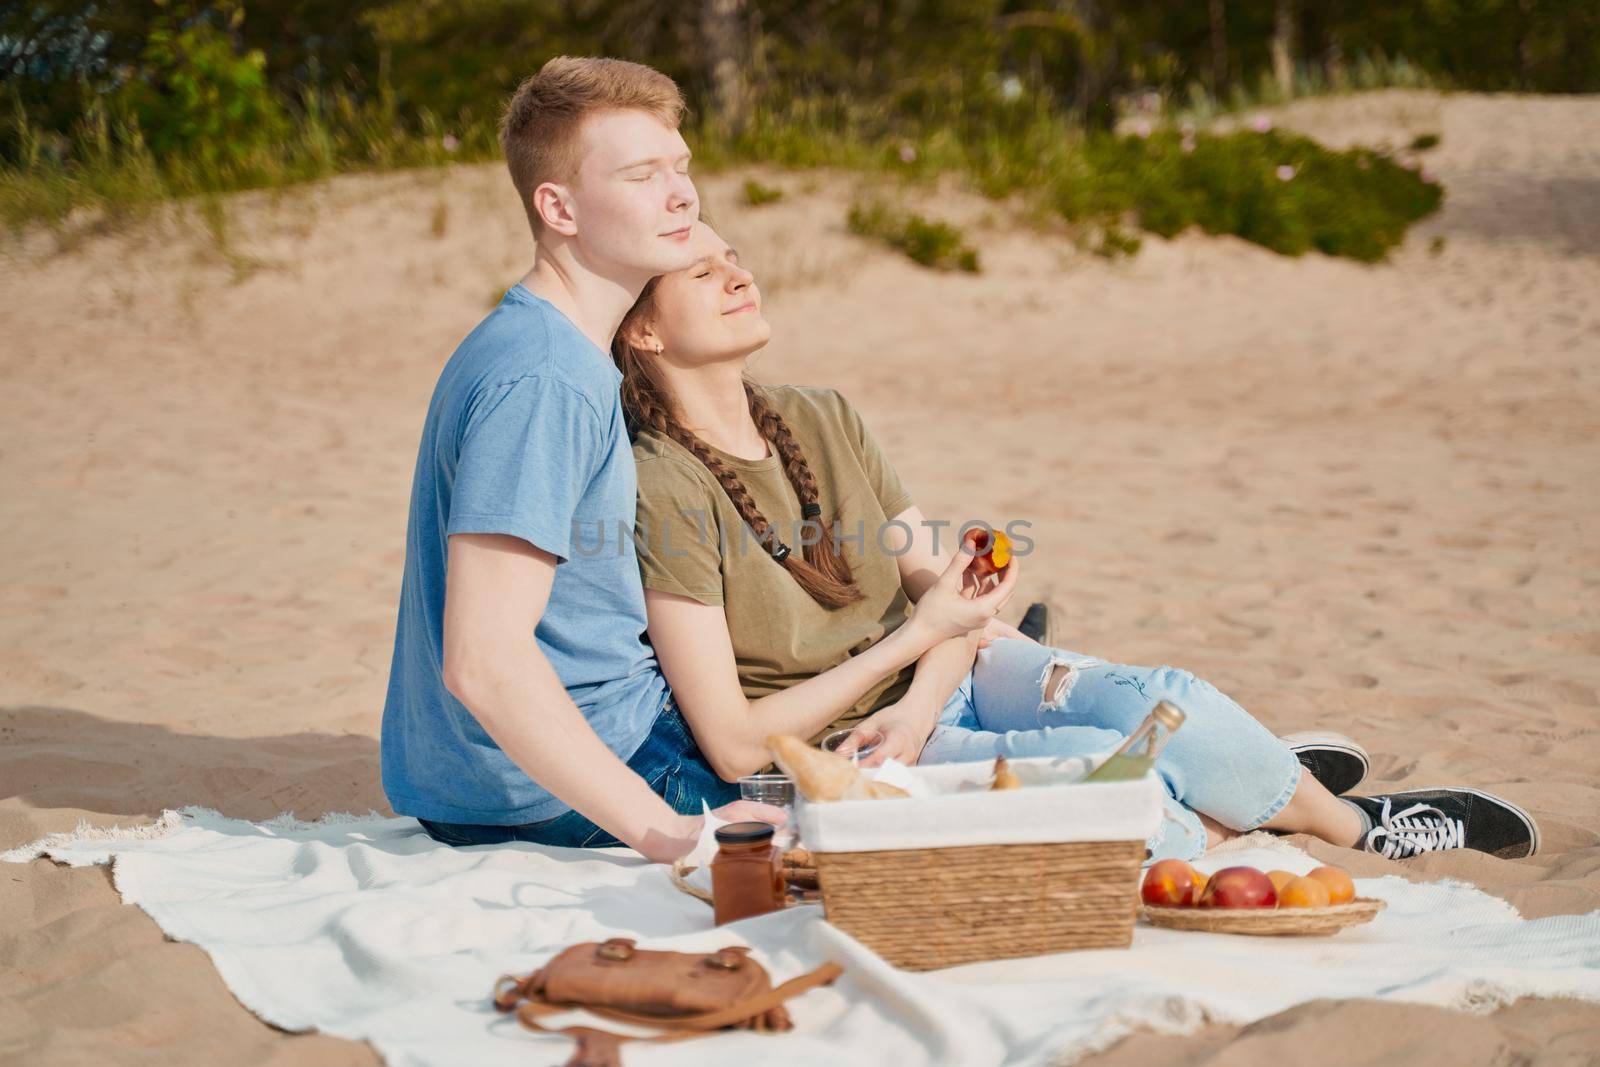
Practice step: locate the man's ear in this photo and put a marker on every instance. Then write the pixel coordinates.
(552, 205)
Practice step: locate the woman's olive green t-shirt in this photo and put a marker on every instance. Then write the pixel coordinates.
(692, 541)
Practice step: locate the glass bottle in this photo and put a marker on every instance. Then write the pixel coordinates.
(1138, 753)
(746, 873)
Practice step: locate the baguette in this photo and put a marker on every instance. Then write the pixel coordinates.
(825, 776)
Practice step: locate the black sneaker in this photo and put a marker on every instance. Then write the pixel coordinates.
(1415, 821)
(1036, 623)
(1333, 759)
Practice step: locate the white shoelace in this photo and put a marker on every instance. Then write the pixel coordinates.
(1415, 830)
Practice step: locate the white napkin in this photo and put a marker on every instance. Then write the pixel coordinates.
(892, 772)
(704, 850)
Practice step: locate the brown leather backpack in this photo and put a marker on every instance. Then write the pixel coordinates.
(687, 994)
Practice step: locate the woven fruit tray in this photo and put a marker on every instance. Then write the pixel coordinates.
(1265, 921)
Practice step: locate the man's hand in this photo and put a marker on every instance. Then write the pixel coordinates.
(997, 629)
(667, 844)
(905, 729)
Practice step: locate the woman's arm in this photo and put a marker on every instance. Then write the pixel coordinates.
(942, 667)
(907, 723)
(695, 650)
(918, 554)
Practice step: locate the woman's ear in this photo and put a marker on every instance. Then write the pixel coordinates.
(643, 338)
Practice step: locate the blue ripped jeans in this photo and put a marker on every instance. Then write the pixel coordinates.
(1222, 762)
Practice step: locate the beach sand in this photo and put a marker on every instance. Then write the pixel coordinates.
(1356, 497)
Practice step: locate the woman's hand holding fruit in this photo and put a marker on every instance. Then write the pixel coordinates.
(957, 604)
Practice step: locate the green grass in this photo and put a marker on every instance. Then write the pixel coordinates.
(929, 242)
(758, 195)
(1368, 72)
(1277, 189)
(103, 173)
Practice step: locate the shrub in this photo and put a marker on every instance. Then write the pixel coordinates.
(202, 100)
(1285, 192)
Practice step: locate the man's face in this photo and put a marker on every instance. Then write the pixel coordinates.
(632, 200)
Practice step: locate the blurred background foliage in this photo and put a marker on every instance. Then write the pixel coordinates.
(114, 105)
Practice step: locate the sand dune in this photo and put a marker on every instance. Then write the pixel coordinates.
(1355, 497)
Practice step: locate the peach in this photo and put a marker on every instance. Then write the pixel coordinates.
(1304, 892)
(1200, 880)
(1341, 890)
(1281, 879)
(1168, 884)
(1239, 887)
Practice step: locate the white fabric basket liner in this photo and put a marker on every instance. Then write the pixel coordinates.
(956, 807)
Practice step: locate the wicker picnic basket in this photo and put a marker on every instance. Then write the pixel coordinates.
(930, 905)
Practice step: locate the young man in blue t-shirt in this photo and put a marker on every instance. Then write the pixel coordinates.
(522, 515)
(524, 494)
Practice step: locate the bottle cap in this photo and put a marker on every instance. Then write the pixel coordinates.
(744, 833)
(1168, 715)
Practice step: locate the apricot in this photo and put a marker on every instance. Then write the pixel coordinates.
(1281, 879)
(1341, 890)
(1304, 892)
(1168, 884)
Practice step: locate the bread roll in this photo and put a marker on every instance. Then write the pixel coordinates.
(1004, 776)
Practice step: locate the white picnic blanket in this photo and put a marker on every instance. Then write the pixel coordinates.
(364, 928)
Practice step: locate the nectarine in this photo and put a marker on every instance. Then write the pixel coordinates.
(991, 551)
(1168, 884)
(1239, 887)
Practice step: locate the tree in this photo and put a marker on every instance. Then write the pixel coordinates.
(1219, 47)
(1283, 47)
(725, 56)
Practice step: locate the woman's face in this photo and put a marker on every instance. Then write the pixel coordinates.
(710, 311)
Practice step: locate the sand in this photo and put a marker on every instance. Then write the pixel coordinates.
(1359, 498)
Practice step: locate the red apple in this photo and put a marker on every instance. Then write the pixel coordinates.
(1168, 884)
(1239, 887)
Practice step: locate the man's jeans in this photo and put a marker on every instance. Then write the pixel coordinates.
(1221, 762)
(669, 760)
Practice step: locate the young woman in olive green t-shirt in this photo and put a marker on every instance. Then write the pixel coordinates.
(782, 558)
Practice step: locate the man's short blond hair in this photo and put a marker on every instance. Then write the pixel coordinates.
(539, 129)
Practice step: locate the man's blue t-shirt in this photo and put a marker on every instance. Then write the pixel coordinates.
(524, 436)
